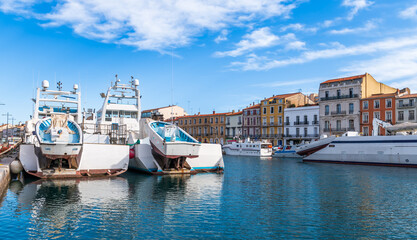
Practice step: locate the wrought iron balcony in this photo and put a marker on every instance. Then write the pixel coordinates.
(301, 123)
(338, 113)
(339, 97)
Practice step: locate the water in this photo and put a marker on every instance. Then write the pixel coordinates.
(254, 198)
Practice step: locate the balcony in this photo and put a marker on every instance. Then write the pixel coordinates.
(408, 105)
(301, 123)
(339, 97)
(287, 123)
(301, 135)
(315, 122)
(334, 129)
(239, 123)
(271, 135)
(338, 113)
(228, 123)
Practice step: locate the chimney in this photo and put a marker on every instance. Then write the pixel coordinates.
(214, 112)
(198, 113)
(233, 111)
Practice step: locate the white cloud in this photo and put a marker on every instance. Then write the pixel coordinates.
(145, 24)
(260, 38)
(368, 26)
(356, 5)
(298, 27)
(295, 45)
(410, 12)
(258, 63)
(222, 36)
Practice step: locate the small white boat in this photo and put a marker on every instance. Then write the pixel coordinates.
(286, 151)
(171, 141)
(248, 148)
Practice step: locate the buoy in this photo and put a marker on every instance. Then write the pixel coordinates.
(16, 167)
(132, 153)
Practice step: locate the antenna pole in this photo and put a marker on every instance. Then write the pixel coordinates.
(172, 85)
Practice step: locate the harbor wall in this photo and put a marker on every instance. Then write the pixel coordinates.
(4, 179)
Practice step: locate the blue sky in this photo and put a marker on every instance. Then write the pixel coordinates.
(226, 54)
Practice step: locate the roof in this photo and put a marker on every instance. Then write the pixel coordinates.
(154, 109)
(203, 115)
(282, 96)
(254, 106)
(301, 107)
(381, 95)
(344, 79)
(409, 95)
(235, 113)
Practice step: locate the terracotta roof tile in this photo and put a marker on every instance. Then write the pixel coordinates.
(235, 113)
(282, 96)
(203, 115)
(384, 95)
(254, 106)
(344, 79)
(409, 95)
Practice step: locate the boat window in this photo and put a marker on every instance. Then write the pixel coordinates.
(127, 114)
(134, 115)
(99, 114)
(122, 114)
(115, 113)
(108, 114)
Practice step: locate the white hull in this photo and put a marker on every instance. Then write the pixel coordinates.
(287, 155)
(312, 147)
(94, 159)
(247, 152)
(209, 159)
(60, 149)
(372, 150)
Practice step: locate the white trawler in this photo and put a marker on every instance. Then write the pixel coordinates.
(394, 150)
(55, 145)
(156, 147)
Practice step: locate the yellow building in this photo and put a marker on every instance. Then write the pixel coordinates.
(206, 128)
(272, 114)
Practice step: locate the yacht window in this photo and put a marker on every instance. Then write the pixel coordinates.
(122, 114)
(127, 114)
(134, 115)
(115, 113)
(108, 114)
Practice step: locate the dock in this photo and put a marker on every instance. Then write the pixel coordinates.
(5, 175)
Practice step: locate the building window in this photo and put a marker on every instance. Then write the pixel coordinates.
(388, 103)
(365, 118)
(287, 120)
(365, 104)
(297, 121)
(254, 112)
(287, 132)
(400, 115)
(195, 121)
(181, 122)
(221, 119)
(272, 109)
(326, 126)
(400, 103)
(271, 120)
(205, 120)
(315, 119)
(338, 108)
(211, 120)
(279, 120)
(411, 115)
(338, 125)
(217, 120)
(280, 109)
(297, 132)
(264, 121)
(411, 102)
(376, 103)
(351, 92)
(350, 108)
(338, 93)
(326, 110)
(388, 116)
(264, 110)
(305, 119)
(326, 94)
(365, 131)
(351, 125)
(376, 115)
(305, 132)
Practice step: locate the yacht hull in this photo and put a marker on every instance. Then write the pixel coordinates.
(372, 150)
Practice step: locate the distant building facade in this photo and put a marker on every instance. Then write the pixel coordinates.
(234, 125)
(406, 108)
(164, 113)
(252, 121)
(340, 102)
(206, 128)
(272, 114)
(301, 124)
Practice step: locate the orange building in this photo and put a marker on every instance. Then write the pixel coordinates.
(206, 128)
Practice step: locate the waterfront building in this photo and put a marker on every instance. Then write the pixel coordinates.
(272, 114)
(301, 124)
(383, 107)
(406, 108)
(340, 102)
(234, 125)
(164, 113)
(251, 126)
(206, 128)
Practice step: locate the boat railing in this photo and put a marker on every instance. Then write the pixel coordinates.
(117, 132)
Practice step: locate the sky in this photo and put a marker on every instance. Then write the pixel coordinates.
(202, 55)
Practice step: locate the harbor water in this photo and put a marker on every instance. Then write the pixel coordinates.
(253, 199)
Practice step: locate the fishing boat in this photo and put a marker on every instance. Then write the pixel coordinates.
(286, 151)
(55, 145)
(248, 148)
(160, 149)
(393, 150)
(171, 141)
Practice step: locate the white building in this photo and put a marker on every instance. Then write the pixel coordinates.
(234, 125)
(406, 107)
(165, 112)
(301, 124)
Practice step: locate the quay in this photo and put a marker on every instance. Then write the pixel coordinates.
(6, 159)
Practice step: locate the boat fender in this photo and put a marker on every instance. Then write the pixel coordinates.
(132, 153)
(16, 167)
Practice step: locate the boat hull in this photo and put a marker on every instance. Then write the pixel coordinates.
(378, 150)
(315, 146)
(93, 160)
(290, 154)
(55, 151)
(247, 152)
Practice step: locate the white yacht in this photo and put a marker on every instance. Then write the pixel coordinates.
(55, 145)
(248, 148)
(150, 150)
(395, 150)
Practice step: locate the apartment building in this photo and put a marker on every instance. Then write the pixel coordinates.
(301, 124)
(251, 126)
(234, 125)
